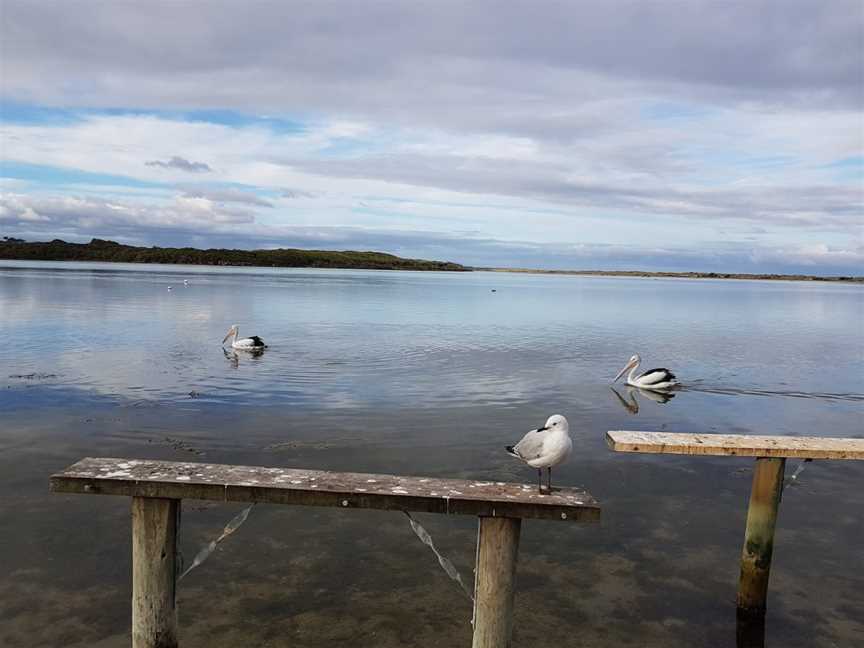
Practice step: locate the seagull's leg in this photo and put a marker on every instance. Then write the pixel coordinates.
(540, 479)
(549, 479)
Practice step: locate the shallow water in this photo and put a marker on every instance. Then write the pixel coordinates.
(427, 374)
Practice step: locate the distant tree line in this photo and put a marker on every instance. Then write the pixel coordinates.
(101, 250)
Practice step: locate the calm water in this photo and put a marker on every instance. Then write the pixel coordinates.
(424, 373)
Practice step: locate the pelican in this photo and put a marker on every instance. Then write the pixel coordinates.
(545, 447)
(253, 343)
(652, 379)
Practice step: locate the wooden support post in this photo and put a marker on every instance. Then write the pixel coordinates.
(494, 581)
(759, 535)
(154, 572)
(750, 629)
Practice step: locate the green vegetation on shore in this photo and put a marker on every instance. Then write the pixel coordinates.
(684, 275)
(100, 250)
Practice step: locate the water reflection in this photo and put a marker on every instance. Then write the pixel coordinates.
(233, 356)
(424, 374)
(630, 402)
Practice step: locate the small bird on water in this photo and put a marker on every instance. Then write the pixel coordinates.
(545, 447)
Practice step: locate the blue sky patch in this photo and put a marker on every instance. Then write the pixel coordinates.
(26, 114)
(53, 176)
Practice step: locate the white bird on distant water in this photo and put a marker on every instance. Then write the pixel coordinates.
(652, 379)
(545, 447)
(253, 343)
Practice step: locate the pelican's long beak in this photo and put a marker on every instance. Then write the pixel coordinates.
(621, 373)
(631, 406)
(227, 335)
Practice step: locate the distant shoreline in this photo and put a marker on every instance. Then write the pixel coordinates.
(110, 252)
(680, 275)
(99, 250)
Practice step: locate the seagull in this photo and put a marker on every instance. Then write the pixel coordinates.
(185, 282)
(545, 447)
(652, 379)
(253, 343)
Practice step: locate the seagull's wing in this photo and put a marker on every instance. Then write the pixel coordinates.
(531, 445)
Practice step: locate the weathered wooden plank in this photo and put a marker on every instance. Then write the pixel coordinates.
(182, 480)
(741, 445)
(495, 581)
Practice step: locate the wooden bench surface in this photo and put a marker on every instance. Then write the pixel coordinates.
(182, 480)
(742, 445)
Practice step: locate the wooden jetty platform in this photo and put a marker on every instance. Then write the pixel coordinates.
(770, 453)
(158, 487)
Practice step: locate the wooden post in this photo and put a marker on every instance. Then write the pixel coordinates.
(759, 535)
(494, 580)
(750, 629)
(154, 572)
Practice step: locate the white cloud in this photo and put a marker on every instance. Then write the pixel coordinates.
(69, 213)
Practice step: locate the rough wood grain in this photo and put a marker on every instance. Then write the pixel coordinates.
(154, 572)
(495, 581)
(741, 445)
(759, 534)
(181, 480)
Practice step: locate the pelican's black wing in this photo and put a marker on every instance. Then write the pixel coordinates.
(658, 375)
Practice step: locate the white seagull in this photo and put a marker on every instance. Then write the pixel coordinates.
(545, 447)
(253, 343)
(652, 379)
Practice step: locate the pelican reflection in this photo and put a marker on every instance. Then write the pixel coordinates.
(631, 403)
(233, 356)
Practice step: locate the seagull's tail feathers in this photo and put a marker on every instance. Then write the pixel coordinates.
(511, 450)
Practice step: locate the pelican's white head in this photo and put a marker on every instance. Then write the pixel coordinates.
(231, 332)
(632, 362)
(557, 423)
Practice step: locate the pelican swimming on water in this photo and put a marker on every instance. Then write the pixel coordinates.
(545, 447)
(253, 343)
(652, 379)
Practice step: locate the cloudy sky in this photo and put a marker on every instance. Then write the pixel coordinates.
(657, 135)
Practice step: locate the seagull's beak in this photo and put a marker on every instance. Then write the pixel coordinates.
(541, 429)
(621, 373)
